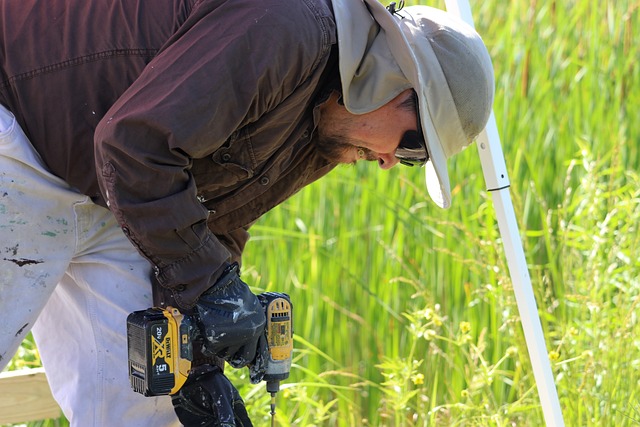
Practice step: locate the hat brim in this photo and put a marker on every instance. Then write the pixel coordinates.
(435, 100)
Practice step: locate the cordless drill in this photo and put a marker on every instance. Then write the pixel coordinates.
(279, 312)
(161, 351)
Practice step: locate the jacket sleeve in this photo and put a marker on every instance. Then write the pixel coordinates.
(235, 242)
(224, 68)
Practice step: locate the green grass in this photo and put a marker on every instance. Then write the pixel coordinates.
(405, 314)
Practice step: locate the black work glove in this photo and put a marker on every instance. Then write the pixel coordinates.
(232, 321)
(259, 365)
(208, 399)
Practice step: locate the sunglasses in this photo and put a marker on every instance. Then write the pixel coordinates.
(412, 150)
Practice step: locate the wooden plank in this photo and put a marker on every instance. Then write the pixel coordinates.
(25, 396)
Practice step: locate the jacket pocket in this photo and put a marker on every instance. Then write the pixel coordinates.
(231, 164)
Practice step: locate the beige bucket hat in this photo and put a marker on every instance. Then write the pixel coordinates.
(383, 53)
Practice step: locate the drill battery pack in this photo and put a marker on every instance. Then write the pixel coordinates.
(160, 350)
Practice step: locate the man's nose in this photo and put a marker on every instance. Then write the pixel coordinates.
(387, 160)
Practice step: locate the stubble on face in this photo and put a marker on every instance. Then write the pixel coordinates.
(332, 149)
(335, 147)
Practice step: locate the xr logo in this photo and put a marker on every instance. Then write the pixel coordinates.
(158, 350)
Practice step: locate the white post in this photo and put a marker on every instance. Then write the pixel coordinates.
(497, 180)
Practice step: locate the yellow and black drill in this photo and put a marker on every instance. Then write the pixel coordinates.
(279, 329)
(161, 351)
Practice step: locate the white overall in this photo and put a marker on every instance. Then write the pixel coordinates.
(68, 274)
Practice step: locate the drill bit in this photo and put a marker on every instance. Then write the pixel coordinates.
(273, 409)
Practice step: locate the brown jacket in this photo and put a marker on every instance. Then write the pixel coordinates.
(197, 114)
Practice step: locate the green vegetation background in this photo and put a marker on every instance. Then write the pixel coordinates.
(405, 314)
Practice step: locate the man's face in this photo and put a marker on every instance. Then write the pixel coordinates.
(346, 138)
